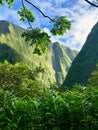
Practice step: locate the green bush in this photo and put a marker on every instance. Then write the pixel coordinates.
(20, 79)
(26, 106)
(70, 110)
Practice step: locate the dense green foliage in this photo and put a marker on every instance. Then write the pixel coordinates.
(53, 110)
(27, 105)
(85, 62)
(19, 79)
(14, 48)
(37, 38)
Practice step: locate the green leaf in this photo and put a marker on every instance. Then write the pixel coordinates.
(39, 38)
(26, 13)
(2, 2)
(61, 25)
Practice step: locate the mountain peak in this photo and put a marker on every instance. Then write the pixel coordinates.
(4, 21)
(85, 62)
(4, 27)
(13, 48)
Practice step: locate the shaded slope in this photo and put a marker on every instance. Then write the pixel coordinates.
(14, 48)
(4, 27)
(9, 54)
(61, 62)
(85, 62)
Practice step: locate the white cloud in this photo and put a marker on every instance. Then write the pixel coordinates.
(84, 19)
(83, 16)
(10, 15)
(6, 13)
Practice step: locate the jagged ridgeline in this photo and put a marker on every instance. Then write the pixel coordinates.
(13, 48)
(85, 62)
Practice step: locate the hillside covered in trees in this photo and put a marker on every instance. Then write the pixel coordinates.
(29, 97)
(26, 103)
(85, 62)
(13, 48)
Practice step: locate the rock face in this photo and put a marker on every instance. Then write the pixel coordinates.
(13, 48)
(62, 58)
(85, 62)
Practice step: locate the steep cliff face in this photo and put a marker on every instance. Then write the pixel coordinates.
(85, 62)
(13, 48)
(61, 60)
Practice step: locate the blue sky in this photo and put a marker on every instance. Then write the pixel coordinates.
(82, 15)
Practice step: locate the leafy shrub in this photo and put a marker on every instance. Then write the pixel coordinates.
(26, 106)
(19, 79)
(53, 110)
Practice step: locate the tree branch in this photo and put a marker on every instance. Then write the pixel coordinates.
(91, 3)
(26, 15)
(40, 11)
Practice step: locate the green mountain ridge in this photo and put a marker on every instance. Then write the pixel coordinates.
(62, 59)
(85, 62)
(13, 48)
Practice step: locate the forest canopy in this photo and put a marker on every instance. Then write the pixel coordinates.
(26, 105)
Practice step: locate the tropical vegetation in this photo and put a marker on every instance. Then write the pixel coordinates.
(56, 60)
(25, 105)
(85, 62)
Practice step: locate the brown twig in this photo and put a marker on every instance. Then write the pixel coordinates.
(26, 15)
(91, 3)
(40, 11)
